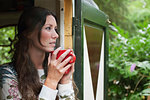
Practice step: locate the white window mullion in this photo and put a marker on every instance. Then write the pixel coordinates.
(100, 84)
(88, 86)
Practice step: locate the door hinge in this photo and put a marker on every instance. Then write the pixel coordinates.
(75, 24)
(75, 21)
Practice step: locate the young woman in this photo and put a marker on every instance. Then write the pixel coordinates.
(35, 73)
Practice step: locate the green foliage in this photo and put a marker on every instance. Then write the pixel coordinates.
(125, 84)
(118, 12)
(6, 35)
(139, 12)
(126, 13)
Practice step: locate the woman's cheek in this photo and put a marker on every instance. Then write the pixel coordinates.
(45, 37)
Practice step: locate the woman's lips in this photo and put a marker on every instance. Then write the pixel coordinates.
(52, 43)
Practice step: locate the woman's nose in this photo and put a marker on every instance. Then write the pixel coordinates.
(55, 34)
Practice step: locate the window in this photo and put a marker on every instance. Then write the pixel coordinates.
(6, 35)
(94, 41)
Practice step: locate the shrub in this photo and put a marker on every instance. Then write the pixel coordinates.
(129, 64)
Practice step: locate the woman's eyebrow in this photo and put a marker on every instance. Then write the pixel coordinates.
(50, 25)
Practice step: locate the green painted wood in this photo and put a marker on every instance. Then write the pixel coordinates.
(91, 13)
(78, 49)
(86, 14)
(106, 63)
(96, 18)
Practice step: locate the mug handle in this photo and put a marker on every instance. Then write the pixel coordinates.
(73, 57)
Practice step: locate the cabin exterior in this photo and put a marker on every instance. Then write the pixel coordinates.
(83, 27)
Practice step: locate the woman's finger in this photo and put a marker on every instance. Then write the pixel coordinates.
(61, 58)
(72, 70)
(49, 58)
(54, 54)
(65, 62)
(66, 68)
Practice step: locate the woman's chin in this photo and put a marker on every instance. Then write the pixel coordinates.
(50, 50)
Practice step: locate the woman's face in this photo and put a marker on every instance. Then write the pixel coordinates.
(48, 35)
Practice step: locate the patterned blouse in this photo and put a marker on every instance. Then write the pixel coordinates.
(9, 86)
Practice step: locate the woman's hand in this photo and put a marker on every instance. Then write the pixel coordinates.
(67, 77)
(57, 68)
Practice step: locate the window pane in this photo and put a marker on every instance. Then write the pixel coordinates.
(94, 41)
(6, 34)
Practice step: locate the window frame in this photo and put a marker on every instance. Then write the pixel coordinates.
(86, 14)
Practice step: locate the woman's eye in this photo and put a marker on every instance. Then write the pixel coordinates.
(56, 30)
(48, 28)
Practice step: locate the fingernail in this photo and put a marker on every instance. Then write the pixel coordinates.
(68, 50)
(70, 57)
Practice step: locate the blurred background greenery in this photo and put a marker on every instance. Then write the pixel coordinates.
(129, 48)
(7, 35)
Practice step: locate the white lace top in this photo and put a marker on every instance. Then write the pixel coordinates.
(9, 87)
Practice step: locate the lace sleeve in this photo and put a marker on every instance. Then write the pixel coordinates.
(47, 93)
(66, 92)
(8, 85)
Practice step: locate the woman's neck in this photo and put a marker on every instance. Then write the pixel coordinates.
(37, 56)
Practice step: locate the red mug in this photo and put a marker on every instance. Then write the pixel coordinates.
(69, 54)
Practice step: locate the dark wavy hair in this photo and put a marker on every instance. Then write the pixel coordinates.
(31, 20)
